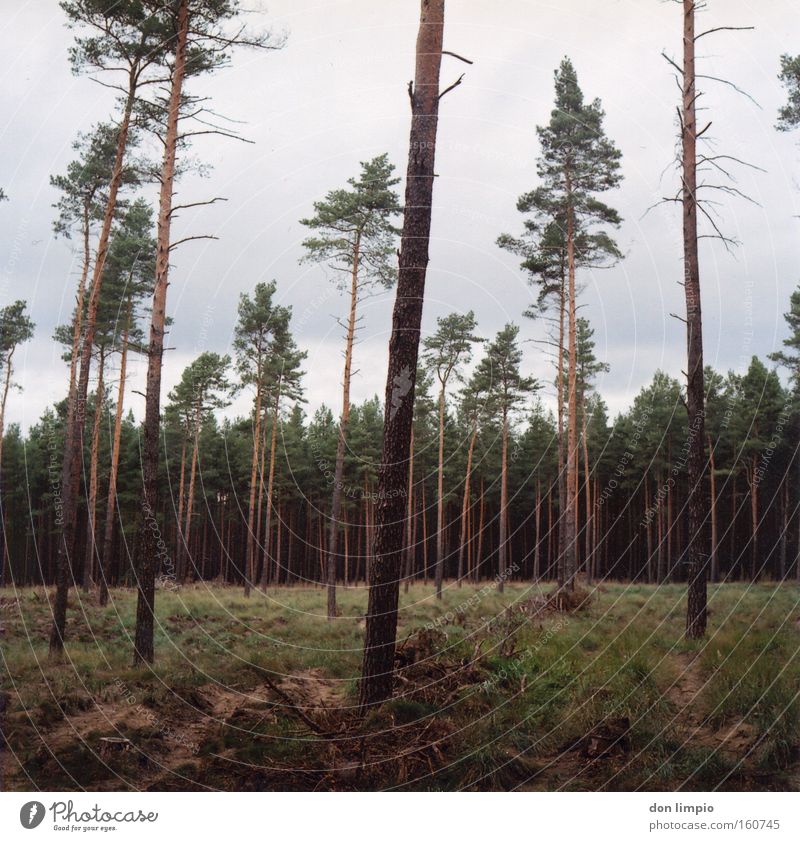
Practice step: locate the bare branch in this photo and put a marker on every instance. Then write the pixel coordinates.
(196, 204)
(454, 85)
(722, 29)
(189, 239)
(674, 64)
(456, 55)
(729, 84)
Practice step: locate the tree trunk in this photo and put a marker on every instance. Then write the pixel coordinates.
(111, 499)
(695, 389)
(341, 444)
(179, 523)
(440, 499)
(662, 572)
(409, 515)
(714, 538)
(784, 527)
(91, 520)
(502, 548)
(465, 501)
(424, 536)
(479, 552)
(76, 400)
(3, 526)
(754, 565)
(562, 441)
(797, 550)
(537, 568)
(670, 523)
(570, 520)
(251, 503)
(588, 493)
(270, 484)
(381, 622)
(148, 529)
(187, 529)
(649, 531)
(260, 548)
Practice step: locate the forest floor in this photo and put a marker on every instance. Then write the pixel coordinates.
(494, 692)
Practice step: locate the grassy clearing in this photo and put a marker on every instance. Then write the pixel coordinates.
(489, 696)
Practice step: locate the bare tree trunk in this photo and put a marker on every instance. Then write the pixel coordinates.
(648, 530)
(111, 499)
(91, 521)
(260, 548)
(784, 528)
(76, 400)
(270, 485)
(570, 520)
(341, 444)
(409, 515)
(251, 503)
(714, 539)
(3, 526)
(537, 568)
(662, 572)
(754, 565)
(797, 551)
(595, 527)
(424, 536)
(179, 524)
(502, 548)
(381, 627)
(187, 529)
(148, 543)
(695, 388)
(550, 527)
(439, 572)
(588, 493)
(479, 555)
(465, 502)
(562, 441)
(670, 522)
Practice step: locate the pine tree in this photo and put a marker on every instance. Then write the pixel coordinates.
(567, 232)
(202, 35)
(16, 328)
(127, 39)
(445, 352)
(790, 359)
(283, 381)
(355, 236)
(761, 401)
(507, 389)
(260, 322)
(203, 388)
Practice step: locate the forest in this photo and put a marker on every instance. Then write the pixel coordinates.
(482, 578)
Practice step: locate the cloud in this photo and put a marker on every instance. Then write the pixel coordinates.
(336, 95)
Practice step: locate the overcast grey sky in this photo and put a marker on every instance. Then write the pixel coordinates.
(336, 95)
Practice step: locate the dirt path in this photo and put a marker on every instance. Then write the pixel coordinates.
(733, 740)
(178, 731)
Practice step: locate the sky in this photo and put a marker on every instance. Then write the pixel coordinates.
(336, 95)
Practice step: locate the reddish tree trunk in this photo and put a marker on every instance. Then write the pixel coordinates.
(149, 534)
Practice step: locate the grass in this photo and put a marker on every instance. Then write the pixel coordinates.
(490, 697)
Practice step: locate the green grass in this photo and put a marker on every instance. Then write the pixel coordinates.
(496, 699)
